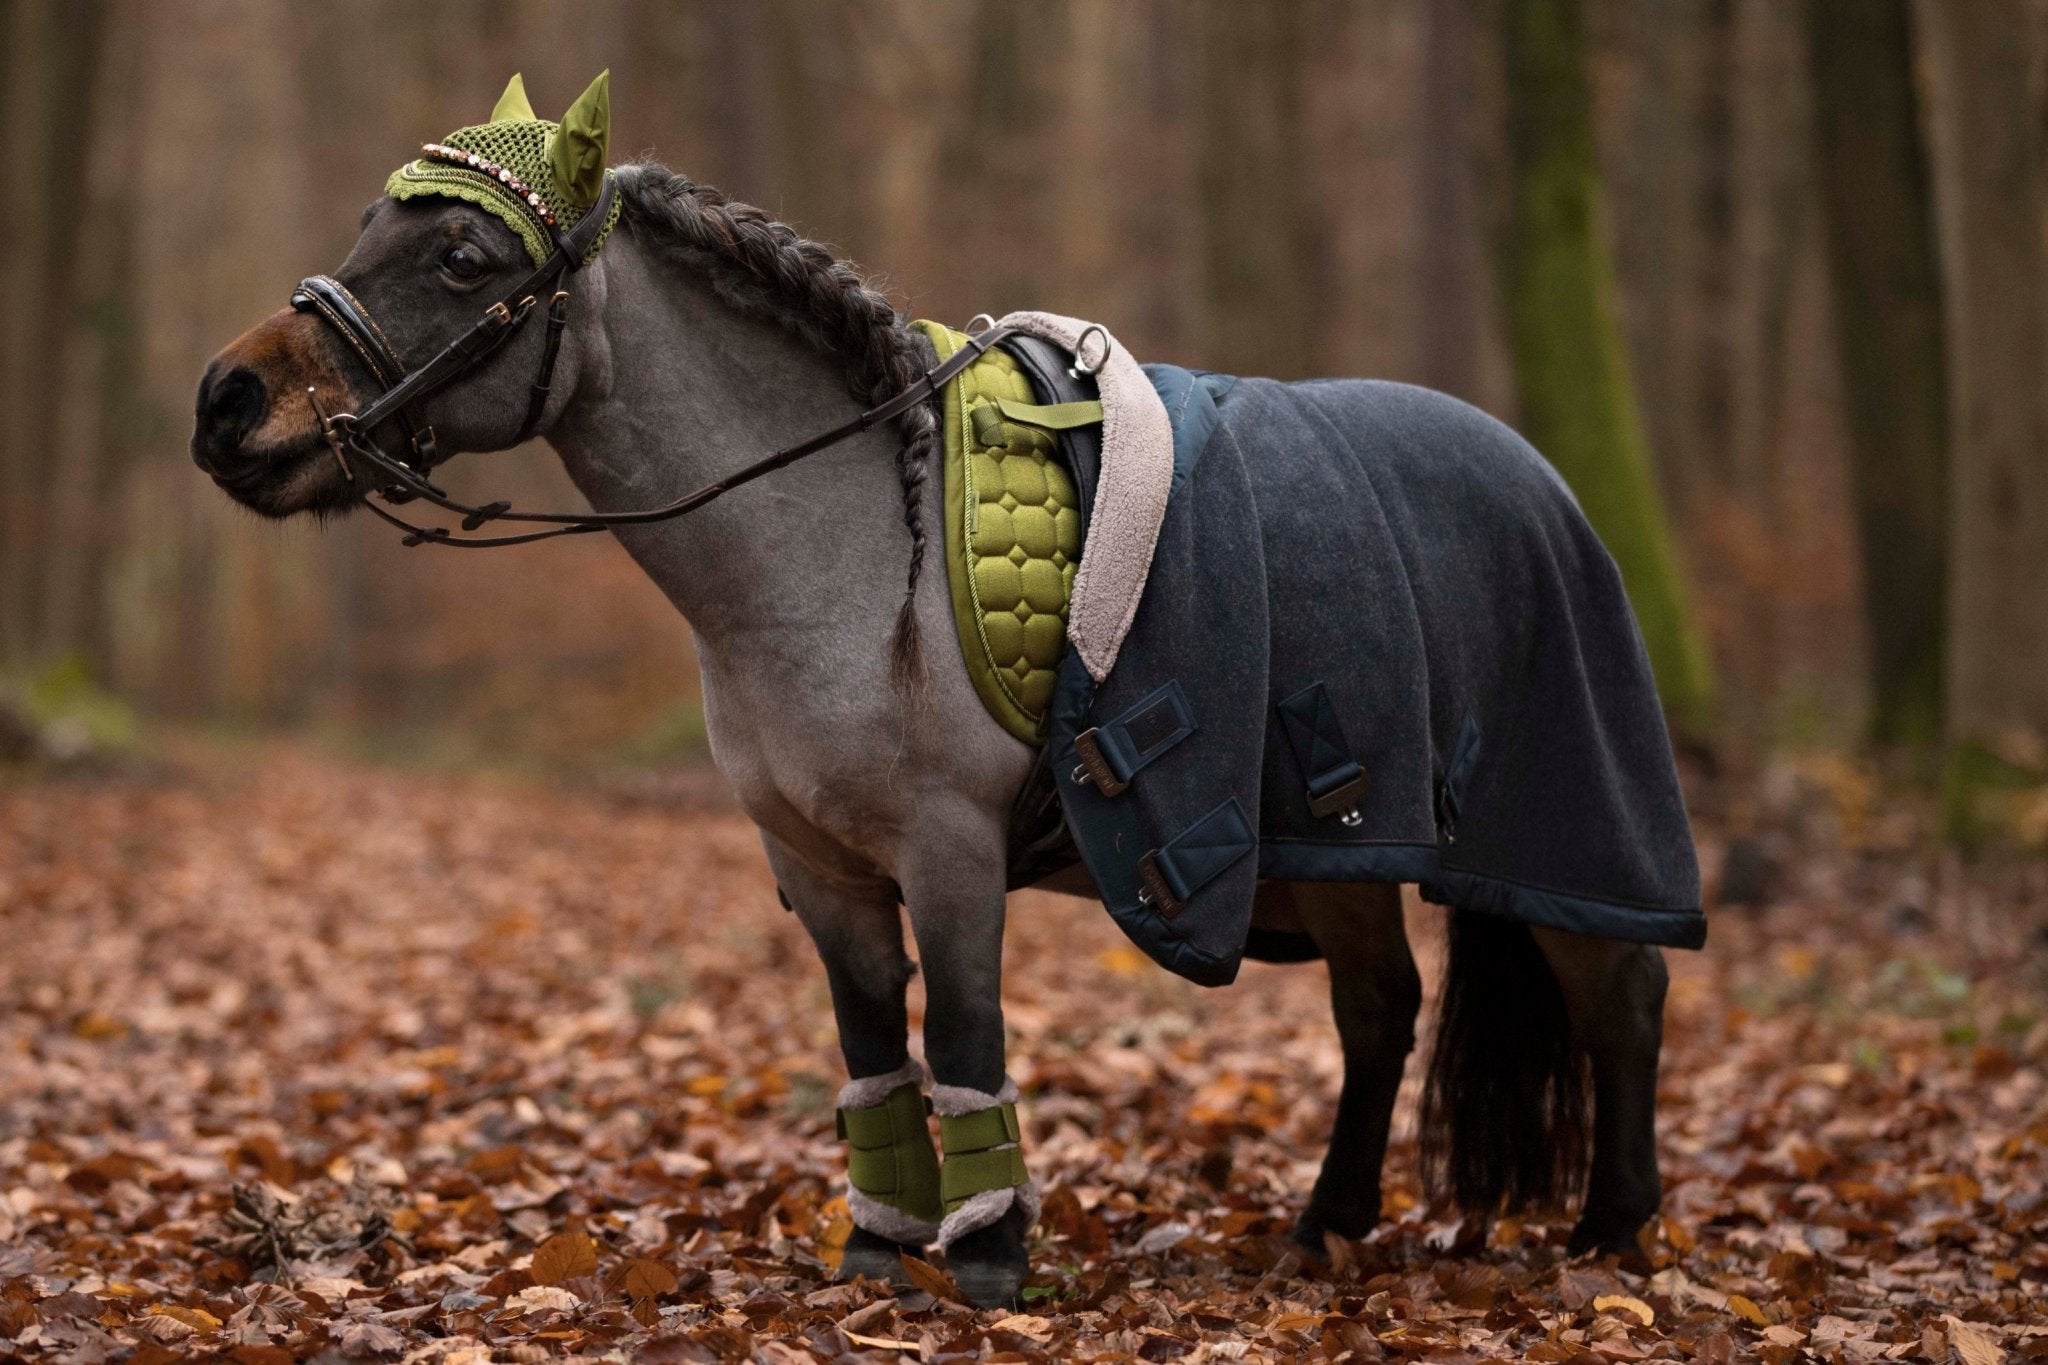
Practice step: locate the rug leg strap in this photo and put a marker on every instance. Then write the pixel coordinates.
(890, 1165)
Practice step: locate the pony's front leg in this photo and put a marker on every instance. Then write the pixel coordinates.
(954, 886)
(892, 1171)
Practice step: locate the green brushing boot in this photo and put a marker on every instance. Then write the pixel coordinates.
(892, 1173)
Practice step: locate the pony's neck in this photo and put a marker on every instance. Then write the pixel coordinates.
(699, 389)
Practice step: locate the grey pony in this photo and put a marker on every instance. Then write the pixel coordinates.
(880, 791)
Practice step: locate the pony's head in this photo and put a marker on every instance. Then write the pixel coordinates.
(455, 231)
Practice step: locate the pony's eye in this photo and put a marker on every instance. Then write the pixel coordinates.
(464, 262)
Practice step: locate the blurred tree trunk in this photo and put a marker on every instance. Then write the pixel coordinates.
(1714, 201)
(95, 431)
(998, 155)
(805, 126)
(53, 54)
(1879, 213)
(1572, 375)
(1451, 240)
(733, 40)
(15, 492)
(1257, 229)
(1987, 175)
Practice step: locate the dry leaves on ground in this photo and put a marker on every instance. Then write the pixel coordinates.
(306, 1060)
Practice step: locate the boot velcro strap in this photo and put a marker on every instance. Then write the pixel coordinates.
(890, 1154)
(981, 1154)
(876, 1125)
(966, 1174)
(980, 1130)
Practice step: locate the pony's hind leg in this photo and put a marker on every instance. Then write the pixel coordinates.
(858, 932)
(1375, 994)
(1614, 992)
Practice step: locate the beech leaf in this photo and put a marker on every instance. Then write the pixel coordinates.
(564, 1256)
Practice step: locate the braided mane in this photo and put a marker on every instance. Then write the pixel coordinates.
(765, 268)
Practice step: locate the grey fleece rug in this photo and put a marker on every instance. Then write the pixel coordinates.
(1379, 642)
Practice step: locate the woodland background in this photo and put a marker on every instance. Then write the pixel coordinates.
(1827, 269)
(387, 977)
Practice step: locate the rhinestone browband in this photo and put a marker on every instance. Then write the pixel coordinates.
(496, 172)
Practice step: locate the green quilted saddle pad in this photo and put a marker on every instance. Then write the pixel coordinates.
(1013, 539)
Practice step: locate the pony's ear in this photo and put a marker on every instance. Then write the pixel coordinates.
(512, 106)
(576, 156)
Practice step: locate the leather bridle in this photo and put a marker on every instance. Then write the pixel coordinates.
(397, 479)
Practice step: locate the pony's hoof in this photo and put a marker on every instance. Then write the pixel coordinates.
(1607, 1236)
(872, 1255)
(1307, 1236)
(1315, 1224)
(989, 1264)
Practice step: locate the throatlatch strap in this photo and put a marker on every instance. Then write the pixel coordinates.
(890, 1155)
(982, 1154)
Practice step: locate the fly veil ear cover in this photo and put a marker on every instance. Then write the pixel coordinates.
(539, 177)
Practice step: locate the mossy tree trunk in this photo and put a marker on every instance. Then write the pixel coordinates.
(1577, 397)
(1878, 208)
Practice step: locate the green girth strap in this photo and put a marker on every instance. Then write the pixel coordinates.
(890, 1156)
(982, 1154)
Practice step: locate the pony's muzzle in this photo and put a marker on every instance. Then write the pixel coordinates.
(232, 403)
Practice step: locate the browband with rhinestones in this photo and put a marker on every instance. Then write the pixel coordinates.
(494, 170)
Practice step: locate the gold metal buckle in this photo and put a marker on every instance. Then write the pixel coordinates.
(1094, 766)
(1157, 893)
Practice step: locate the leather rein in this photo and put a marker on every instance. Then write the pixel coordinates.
(396, 480)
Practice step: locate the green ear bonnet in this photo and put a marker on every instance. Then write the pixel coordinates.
(540, 177)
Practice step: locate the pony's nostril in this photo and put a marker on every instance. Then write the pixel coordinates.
(232, 406)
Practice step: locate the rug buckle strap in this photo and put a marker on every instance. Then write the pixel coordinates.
(1172, 873)
(1095, 766)
(1333, 780)
(1114, 752)
(1158, 892)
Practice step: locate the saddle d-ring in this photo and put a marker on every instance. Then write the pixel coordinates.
(982, 318)
(1081, 369)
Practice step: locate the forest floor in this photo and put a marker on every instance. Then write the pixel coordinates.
(306, 1059)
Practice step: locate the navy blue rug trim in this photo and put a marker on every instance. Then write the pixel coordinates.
(1295, 860)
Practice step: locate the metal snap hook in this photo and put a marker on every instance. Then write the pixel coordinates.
(1081, 369)
(1351, 818)
(984, 319)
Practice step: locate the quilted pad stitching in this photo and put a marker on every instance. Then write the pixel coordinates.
(1023, 671)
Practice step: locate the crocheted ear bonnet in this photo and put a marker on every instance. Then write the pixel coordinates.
(540, 177)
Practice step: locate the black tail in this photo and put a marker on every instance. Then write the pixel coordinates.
(1506, 1118)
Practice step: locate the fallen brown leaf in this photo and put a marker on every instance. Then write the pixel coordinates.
(1610, 1303)
(564, 1256)
(931, 1279)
